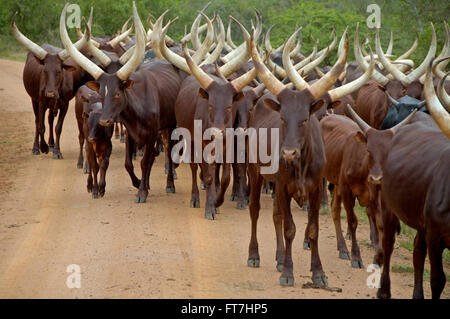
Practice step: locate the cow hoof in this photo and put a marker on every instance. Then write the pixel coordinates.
(140, 154)
(348, 236)
(265, 191)
(117, 137)
(306, 245)
(233, 197)
(279, 267)
(35, 151)
(89, 189)
(210, 214)
(357, 264)
(320, 279)
(287, 281)
(175, 176)
(80, 166)
(102, 194)
(273, 195)
(166, 171)
(57, 156)
(195, 203)
(86, 171)
(253, 262)
(122, 140)
(94, 196)
(202, 185)
(344, 255)
(140, 199)
(170, 189)
(241, 205)
(323, 205)
(383, 295)
(44, 148)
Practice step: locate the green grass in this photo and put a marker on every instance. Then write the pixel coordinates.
(408, 269)
(10, 49)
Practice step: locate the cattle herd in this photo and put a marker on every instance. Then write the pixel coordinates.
(376, 129)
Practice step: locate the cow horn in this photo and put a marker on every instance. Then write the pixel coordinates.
(218, 73)
(37, 50)
(80, 44)
(201, 76)
(270, 81)
(125, 25)
(351, 87)
(157, 36)
(390, 45)
(79, 58)
(321, 86)
(400, 76)
(377, 76)
(104, 59)
(361, 123)
(308, 59)
(267, 43)
(332, 44)
(133, 63)
(437, 111)
(393, 101)
(229, 40)
(89, 23)
(242, 81)
(442, 94)
(437, 69)
(115, 41)
(220, 43)
(404, 122)
(292, 74)
(200, 54)
(234, 65)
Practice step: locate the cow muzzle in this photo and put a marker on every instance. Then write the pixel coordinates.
(290, 154)
(376, 180)
(106, 122)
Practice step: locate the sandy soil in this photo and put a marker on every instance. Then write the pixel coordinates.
(160, 249)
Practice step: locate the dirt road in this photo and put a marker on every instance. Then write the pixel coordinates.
(160, 249)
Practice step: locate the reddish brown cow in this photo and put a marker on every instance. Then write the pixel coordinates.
(51, 79)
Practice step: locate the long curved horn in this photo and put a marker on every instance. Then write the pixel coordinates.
(332, 44)
(404, 122)
(391, 44)
(393, 101)
(79, 58)
(195, 28)
(104, 59)
(439, 114)
(377, 76)
(80, 44)
(201, 76)
(411, 50)
(229, 40)
(442, 94)
(37, 50)
(133, 63)
(242, 81)
(349, 88)
(300, 65)
(220, 43)
(437, 69)
(169, 55)
(270, 81)
(200, 54)
(267, 43)
(244, 56)
(115, 41)
(292, 74)
(407, 79)
(89, 23)
(321, 87)
(355, 117)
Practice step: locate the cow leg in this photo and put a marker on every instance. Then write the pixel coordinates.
(371, 213)
(318, 275)
(266, 187)
(51, 140)
(35, 150)
(168, 143)
(388, 227)
(324, 202)
(93, 169)
(81, 142)
(195, 196)
(242, 185)
(255, 181)
(352, 222)
(284, 206)
(122, 133)
(336, 215)
(234, 191)
(437, 275)
(420, 252)
(89, 159)
(202, 178)
(129, 151)
(86, 163)
(104, 163)
(116, 130)
(278, 223)
(210, 177)
(41, 128)
(146, 166)
(224, 183)
(58, 129)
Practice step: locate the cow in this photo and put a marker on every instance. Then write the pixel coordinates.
(419, 162)
(400, 109)
(51, 79)
(301, 160)
(142, 99)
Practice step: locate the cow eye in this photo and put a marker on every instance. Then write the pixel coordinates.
(117, 95)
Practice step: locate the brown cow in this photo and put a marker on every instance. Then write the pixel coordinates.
(51, 78)
(419, 163)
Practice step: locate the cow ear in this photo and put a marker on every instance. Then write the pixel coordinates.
(203, 93)
(93, 86)
(360, 137)
(238, 97)
(69, 68)
(334, 105)
(271, 104)
(128, 84)
(41, 62)
(317, 105)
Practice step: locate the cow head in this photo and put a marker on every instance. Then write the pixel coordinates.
(377, 142)
(400, 109)
(111, 87)
(246, 105)
(297, 106)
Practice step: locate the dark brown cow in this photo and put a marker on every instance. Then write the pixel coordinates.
(419, 163)
(51, 78)
(302, 156)
(143, 100)
(355, 154)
